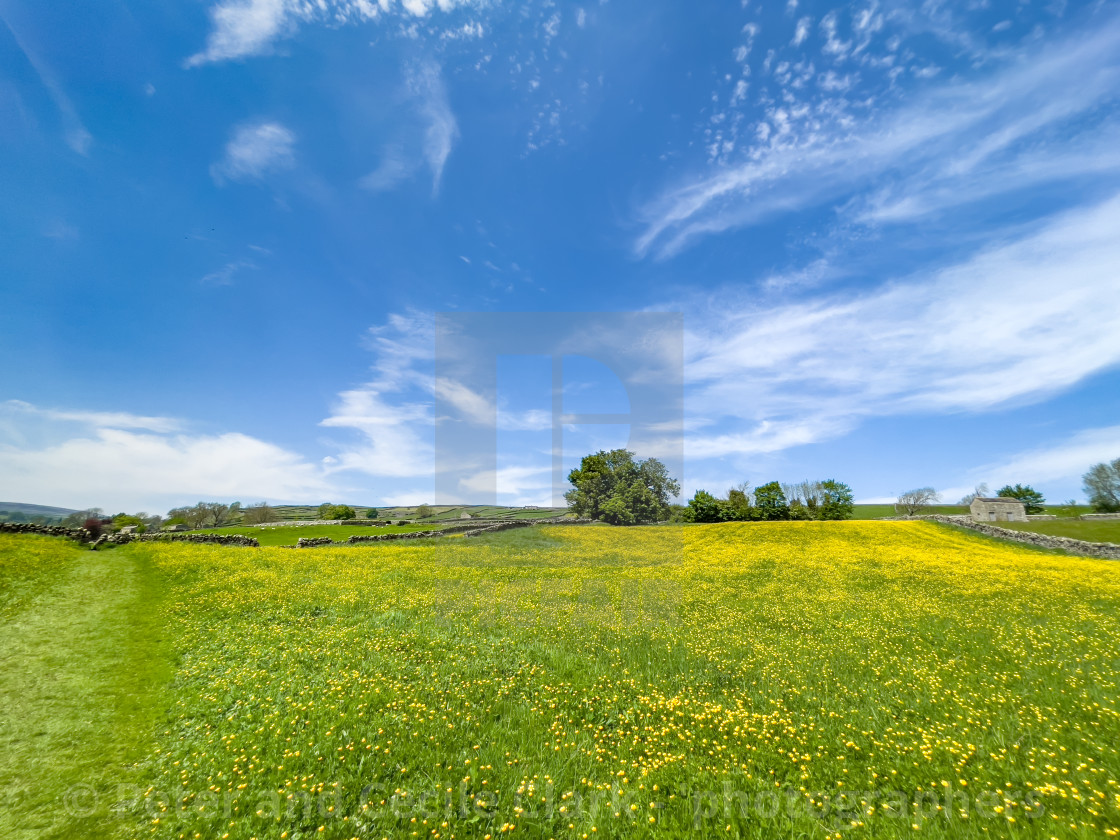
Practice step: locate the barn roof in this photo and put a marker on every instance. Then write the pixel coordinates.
(1004, 499)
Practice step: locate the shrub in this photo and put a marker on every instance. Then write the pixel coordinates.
(738, 508)
(95, 526)
(799, 512)
(704, 507)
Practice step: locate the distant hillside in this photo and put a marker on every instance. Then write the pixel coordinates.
(23, 512)
(35, 510)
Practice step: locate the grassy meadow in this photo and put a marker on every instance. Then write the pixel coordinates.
(847, 679)
(290, 534)
(1098, 530)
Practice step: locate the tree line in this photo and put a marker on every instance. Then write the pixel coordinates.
(621, 489)
(772, 502)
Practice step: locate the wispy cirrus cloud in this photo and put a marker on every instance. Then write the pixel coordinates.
(243, 28)
(1015, 323)
(77, 136)
(255, 150)
(392, 413)
(226, 275)
(426, 142)
(97, 419)
(1034, 116)
(1065, 460)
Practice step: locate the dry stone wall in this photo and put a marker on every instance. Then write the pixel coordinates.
(79, 534)
(474, 528)
(1107, 551)
(83, 536)
(217, 539)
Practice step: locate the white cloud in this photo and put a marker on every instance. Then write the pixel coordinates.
(802, 31)
(225, 275)
(1015, 323)
(515, 485)
(426, 84)
(395, 167)
(1067, 460)
(256, 150)
(247, 27)
(481, 411)
(122, 461)
(551, 27)
(1031, 119)
(431, 141)
(403, 349)
(393, 411)
(1059, 462)
(473, 407)
(395, 434)
(244, 28)
(117, 469)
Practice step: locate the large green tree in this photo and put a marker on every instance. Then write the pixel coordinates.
(1031, 498)
(1102, 486)
(835, 500)
(618, 488)
(770, 501)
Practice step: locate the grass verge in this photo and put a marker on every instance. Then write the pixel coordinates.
(80, 669)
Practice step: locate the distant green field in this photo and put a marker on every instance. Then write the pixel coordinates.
(1100, 531)
(289, 535)
(1071, 511)
(441, 513)
(879, 511)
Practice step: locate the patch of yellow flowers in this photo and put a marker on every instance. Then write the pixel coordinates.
(608, 682)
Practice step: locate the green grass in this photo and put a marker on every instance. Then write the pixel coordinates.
(289, 535)
(82, 660)
(882, 511)
(1107, 530)
(681, 671)
(1067, 511)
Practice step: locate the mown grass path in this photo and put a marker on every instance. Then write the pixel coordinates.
(79, 667)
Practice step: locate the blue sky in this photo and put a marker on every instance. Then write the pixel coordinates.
(226, 228)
